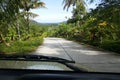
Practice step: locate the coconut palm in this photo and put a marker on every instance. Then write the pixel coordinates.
(8, 13)
(26, 5)
(68, 3)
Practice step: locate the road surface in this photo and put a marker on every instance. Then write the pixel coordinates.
(87, 56)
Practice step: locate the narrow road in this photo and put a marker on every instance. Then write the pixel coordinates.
(89, 57)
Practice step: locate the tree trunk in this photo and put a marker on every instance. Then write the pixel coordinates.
(3, 40)
(101, 39)
(28, 24)
(92, 36)
(18, 32)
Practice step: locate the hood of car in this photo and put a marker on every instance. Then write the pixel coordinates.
(37, 65)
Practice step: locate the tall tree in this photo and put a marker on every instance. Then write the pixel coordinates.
(8, 13)
(68, 3)
(26, 5)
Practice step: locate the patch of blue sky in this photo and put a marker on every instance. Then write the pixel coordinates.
(54, 12)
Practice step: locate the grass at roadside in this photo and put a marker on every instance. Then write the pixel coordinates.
(21, 47)
(111, 46)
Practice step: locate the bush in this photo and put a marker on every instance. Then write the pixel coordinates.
(111, 46)
(21, 47)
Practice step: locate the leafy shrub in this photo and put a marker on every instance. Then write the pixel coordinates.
(111, 46)
(21, 47)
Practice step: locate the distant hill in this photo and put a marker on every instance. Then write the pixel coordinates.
(64, 22)
(35, 22)
(49, 23)
(44, 24)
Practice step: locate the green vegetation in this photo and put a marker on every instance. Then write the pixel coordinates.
(21, 47)
(18, 34)
(24, 44)
(98, 27)
(111, 45)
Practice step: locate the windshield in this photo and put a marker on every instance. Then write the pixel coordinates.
(67, 35)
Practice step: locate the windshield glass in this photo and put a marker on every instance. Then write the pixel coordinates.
(67, 35)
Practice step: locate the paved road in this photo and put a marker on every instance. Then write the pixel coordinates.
(89, 57)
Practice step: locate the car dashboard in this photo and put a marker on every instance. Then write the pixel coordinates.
(25, 74)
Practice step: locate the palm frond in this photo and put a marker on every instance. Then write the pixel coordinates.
(68, 3)
(33, 15)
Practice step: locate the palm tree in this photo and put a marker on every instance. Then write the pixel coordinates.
(68, 3)
(26, 5)
(8, 13)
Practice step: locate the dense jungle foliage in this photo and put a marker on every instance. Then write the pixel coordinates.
(18, 33)
(99, 27)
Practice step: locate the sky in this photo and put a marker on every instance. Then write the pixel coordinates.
(54, 12)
